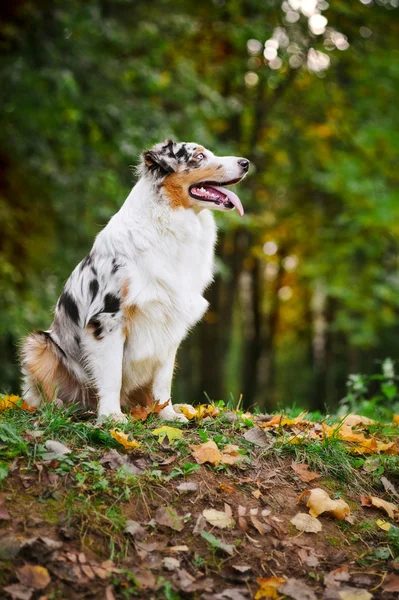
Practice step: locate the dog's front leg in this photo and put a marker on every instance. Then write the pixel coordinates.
(161, 389)
(104, 355)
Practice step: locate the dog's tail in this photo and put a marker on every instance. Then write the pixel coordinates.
(41, 360)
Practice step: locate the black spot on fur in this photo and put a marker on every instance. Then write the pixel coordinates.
(77, 341)
(115, 266)
(70, 307)
(111, 304)
(94, 271)
(48, 336)
(168, 149)
(97, 327)
(94, 287)
(86, 262)
(182, 153)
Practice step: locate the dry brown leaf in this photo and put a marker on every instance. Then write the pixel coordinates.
(391, 583)
(390, 508)
(168, 516)
(34, 576)
(336, 577)
(225, 487)
(297, 589)
(19, 592)
(207, 453)
(231, 455)
(268, 587)
(354, 594)
(218, 518)
(303, 472)
(260, 527)
(141, 413)
(355, 420)
(318, 502)
(306, 523)
(122, 438)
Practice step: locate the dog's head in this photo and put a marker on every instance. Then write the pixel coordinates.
(190, 176)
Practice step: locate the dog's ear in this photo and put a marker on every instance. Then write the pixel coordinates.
(161, 159)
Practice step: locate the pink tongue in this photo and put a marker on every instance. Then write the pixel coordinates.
(234, 199)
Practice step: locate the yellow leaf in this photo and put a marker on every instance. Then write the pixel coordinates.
(396, 419)
(383, 524)
(208, 452)
(8, 401)
(122, 438)
(187, 410)
(172, 433)
(268, 587)
(318, 502)
(281, 421)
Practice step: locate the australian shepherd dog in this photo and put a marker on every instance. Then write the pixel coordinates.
(128, 305)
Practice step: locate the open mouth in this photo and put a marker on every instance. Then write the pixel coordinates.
(211, 191)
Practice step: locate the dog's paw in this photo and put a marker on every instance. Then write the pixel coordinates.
(169, 414)
(116, 417)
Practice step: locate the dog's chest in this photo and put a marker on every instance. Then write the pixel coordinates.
(166, 292)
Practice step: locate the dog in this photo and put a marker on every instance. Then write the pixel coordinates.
(131, 301)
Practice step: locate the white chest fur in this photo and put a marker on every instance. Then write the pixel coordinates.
(168, 264)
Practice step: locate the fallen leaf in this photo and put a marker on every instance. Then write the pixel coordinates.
(282, 420)
(297, 589)
(390, 508)
(135, 530)
(207, 453)
(396, 419)
(168, 517)
(122, 438)
(391, 583)
(242, 568)
(170, 563)
(141, 413)
(389, 487)
(19, 592)
(303, 472)
(318, 502)
(384, 525)
(355, 420)
(57, 448)
(218, 518)
(9, 401)
(228, 594)
(256, 436)
(172, 433)
(268, 587)
(187, 410)
(187, 486)
(33, 576)
(336, 577)
(231, 455)
(225, 487)
(354, 594)
(306, 523)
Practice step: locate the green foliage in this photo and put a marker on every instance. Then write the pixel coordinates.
(375, 396)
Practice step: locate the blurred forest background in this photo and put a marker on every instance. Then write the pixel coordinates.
(307, 289)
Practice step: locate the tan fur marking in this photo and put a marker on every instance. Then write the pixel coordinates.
(125, 289)
(140, 396)
(176, 185)
(42, 364)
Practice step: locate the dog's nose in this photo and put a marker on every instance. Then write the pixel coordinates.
(244, 163)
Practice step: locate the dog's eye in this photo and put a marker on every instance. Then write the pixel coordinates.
(200, 156)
